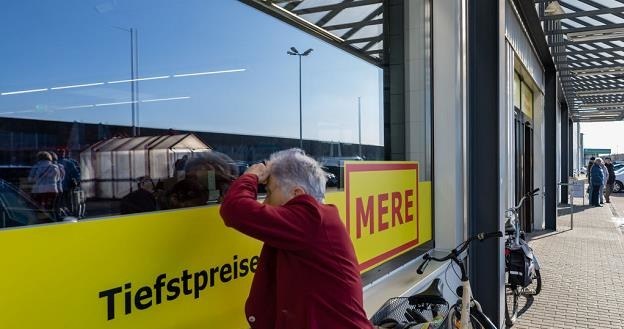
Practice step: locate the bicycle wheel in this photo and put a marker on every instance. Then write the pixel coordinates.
(511, 304)
(477, 321)
(536, 284)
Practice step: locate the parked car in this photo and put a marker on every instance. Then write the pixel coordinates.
(18, 209)
(618, 186)
(13, 173)
(334, 167)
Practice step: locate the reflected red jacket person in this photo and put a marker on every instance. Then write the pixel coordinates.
(307, 276)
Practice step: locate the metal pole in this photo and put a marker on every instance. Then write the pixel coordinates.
(359, 127)
(136, 74)
(572, 210)
(300, 112)
(132, 92)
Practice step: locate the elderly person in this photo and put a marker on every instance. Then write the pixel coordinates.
(307, 275)
(596, 182)
(605, 173)
(45, 177)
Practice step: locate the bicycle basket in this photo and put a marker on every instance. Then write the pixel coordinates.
(399, 309)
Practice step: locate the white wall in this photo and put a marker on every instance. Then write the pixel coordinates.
(448, 119)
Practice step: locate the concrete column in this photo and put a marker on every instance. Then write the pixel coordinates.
(486, 87)
(565, 152)
(550, 151)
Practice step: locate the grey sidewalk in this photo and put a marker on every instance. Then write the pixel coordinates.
(582, 272)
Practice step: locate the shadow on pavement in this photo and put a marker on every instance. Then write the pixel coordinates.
(545, 234)
(563, 210)
(528, 303)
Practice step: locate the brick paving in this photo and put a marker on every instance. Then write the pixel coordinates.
(582, 271)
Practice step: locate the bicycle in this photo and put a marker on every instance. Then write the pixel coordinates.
(522, 270)
(466, 313)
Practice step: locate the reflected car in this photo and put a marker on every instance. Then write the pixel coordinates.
(18, 209)
(618, 186)
(332, 180)
(334, 166)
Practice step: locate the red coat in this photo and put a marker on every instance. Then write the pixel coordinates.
(307, 276)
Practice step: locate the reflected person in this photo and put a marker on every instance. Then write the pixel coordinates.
(195, 189)
(45, 177)
(307, 275)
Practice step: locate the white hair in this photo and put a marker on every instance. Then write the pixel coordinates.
(599, 160)
(293, 168)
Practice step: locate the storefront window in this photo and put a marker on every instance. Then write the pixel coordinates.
(527, 101)
(130, 96)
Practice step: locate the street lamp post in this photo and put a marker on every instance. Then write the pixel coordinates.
(359, 128)
(134, 73)
(293, 51)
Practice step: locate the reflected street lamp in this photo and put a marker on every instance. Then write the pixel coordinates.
(293, 51)
(134, 74)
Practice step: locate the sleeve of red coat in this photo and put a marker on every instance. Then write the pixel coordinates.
(285, 227)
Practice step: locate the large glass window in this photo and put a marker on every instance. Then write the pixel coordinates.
(129, 95)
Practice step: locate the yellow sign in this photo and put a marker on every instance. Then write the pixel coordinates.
(382, 209)
(182, 268)
(178, 269)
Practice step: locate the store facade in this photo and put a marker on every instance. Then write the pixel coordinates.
(448, 102)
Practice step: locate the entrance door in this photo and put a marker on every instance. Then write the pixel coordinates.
(528, 176)
(524, 168)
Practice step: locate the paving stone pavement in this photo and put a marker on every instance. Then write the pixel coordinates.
(582, 271)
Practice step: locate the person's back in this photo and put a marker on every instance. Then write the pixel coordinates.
(44, 175)
(611, 171)
(597, 176)
(72, 173)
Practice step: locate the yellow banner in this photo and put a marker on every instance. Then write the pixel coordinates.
(173, 269)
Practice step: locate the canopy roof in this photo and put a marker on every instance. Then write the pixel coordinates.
(586, 40)
(354, 25)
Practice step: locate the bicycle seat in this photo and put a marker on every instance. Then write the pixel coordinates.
(431, 295)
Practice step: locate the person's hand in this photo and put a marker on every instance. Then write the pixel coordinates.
(260, 170)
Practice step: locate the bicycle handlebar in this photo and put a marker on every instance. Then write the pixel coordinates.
(458, 250)
(527, 195)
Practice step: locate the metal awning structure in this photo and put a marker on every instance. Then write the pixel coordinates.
(353, 25)
(586, 40)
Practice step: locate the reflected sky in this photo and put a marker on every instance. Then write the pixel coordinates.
(217, 66)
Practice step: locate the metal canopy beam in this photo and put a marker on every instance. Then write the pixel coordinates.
(358, 44)
(339, 6)
(587, 29)
(585, 13)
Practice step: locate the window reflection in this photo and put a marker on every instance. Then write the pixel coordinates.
(198, 77)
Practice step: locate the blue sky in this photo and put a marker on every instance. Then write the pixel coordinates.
(50, 44)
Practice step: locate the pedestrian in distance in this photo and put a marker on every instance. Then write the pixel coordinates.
(589, 185)
(605, 173)
(596, 181)
(610, 179)
(307, 275)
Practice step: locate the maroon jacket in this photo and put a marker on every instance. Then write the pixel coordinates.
(307, 276)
